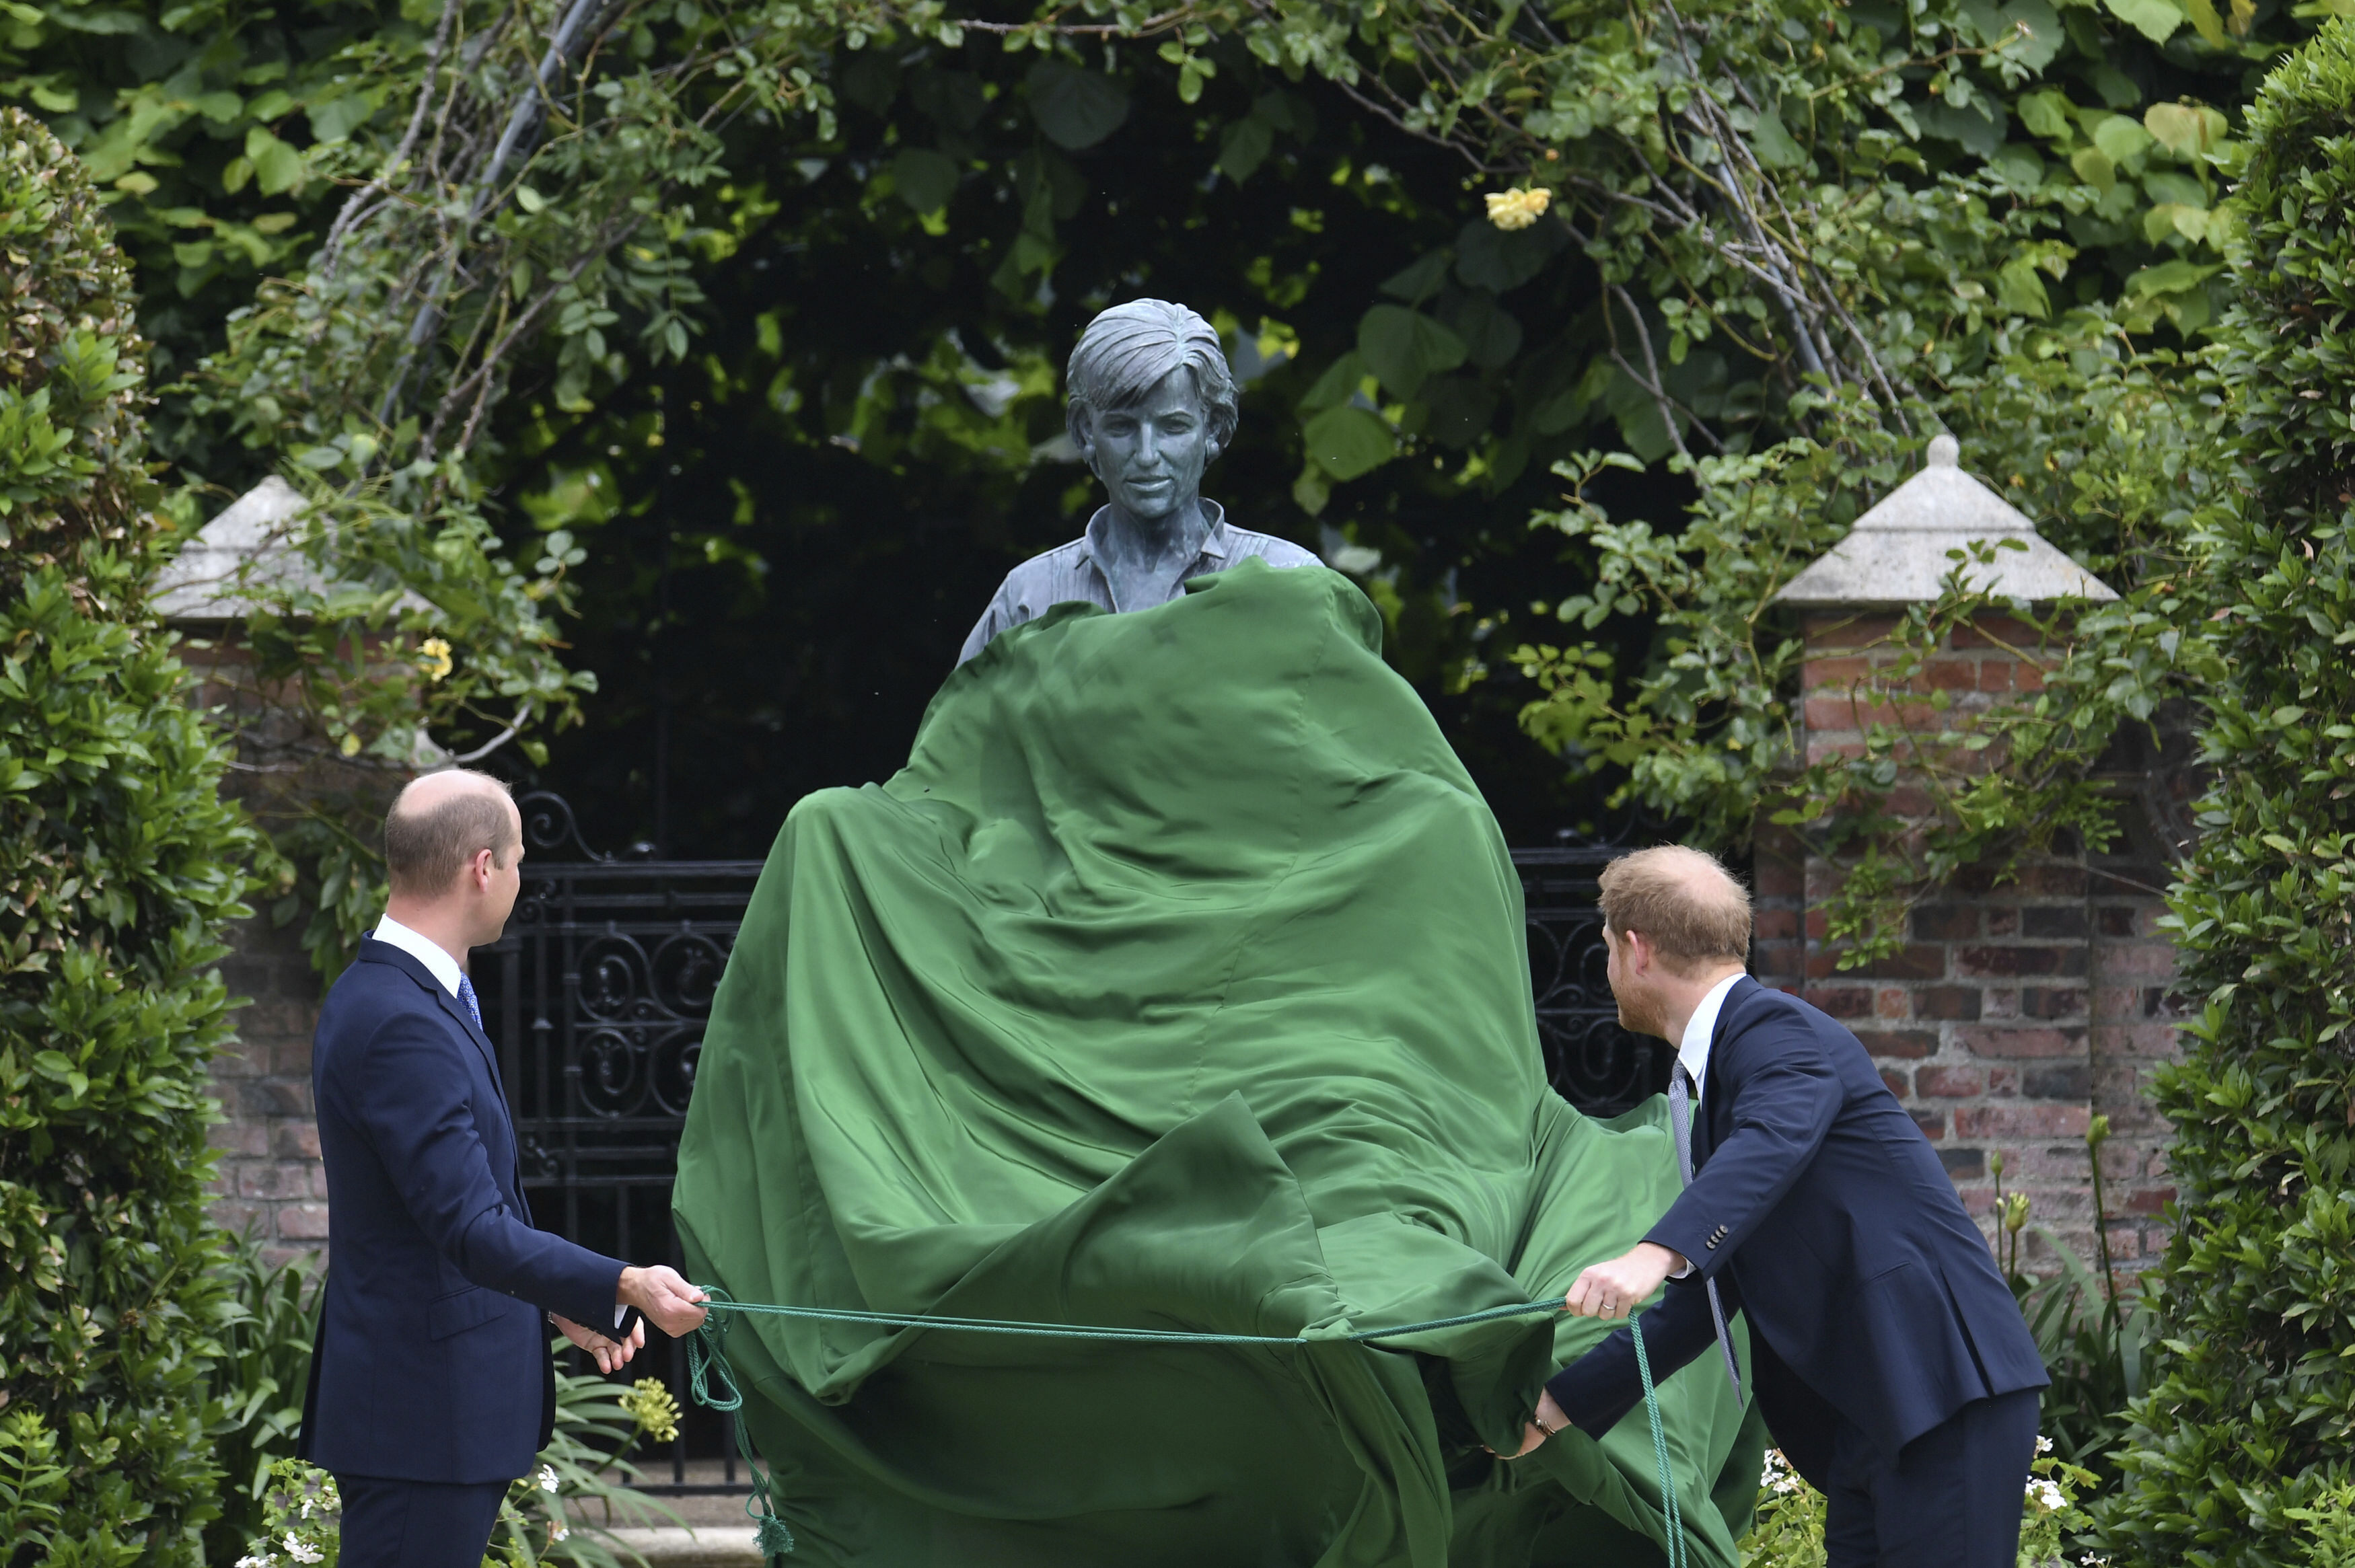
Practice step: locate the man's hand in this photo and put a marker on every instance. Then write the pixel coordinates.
(670, 1303)
(1550, 1420)
(612, 1354)
(1617, 1289)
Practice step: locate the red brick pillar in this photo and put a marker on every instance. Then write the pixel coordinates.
(2016, 1010)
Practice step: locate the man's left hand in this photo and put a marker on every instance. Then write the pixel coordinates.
(1617, 1289)
(612, 1355)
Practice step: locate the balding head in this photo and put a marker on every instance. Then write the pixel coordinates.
(439, 824)
(1683, 901)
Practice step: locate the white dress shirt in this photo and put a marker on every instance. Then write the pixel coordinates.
(1692, 1050)
(1692, 1054)
(424, 949)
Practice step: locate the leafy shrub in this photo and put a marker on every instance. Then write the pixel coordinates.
(119, 865)
(546, 1515)
(266, 1328)
(1788, 1531)
(2249, 1422)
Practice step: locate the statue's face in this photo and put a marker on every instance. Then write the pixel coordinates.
(1151, 456)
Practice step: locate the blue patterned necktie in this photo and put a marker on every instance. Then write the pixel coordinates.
(466, 995)
(1680, 1120)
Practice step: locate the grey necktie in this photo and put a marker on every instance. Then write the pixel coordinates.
(1680, 1119)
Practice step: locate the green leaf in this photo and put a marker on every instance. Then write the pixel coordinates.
(337, 118)
(1772, 143)
(1402, 346)
(2154, 19)
(2121, 138)
(529, 199)
(277, 167)
(1075, 108)
(2186, 130)
(2048, 114)
(2032, 34)
(2204, 19)
(1347, 441)
(2170, 278)
(1420, 279)
(1244, 147)
(1338, 384)
(923, 179)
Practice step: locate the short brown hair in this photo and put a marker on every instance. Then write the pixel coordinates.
(1683, 900)
(424, 850)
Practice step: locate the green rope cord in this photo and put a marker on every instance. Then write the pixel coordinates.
(1674, 1517)
(712, 1382)
(721, 1302)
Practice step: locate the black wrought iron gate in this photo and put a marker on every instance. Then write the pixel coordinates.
(598, 996)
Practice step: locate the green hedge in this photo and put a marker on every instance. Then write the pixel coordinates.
(119, 866)
(2254, 1413)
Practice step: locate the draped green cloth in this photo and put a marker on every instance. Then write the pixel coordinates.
(1178, 981)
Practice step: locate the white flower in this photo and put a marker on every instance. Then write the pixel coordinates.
(562, 1533)
(548, 1477)
(2044, 1445)
(2047, 1495)
(300, 1551)
(263, 1561)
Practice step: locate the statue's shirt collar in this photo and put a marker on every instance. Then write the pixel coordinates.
(1214, 542)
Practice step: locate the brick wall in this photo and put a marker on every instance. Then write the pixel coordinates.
(270, 1180)
(2015, 1011)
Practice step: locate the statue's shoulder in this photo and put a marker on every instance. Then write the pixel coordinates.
(1049, 577)
(1275, 552)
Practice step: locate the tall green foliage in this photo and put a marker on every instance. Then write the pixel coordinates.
(118, 863)
(2253, 1419)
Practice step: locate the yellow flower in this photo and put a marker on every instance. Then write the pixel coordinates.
(649, 1405)
(1516, 210)
(436, 662)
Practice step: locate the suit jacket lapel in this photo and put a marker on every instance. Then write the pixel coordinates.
(383, 953)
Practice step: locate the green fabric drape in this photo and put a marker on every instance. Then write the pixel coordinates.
(1178, 980)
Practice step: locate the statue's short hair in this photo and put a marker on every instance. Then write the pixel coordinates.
(1683, 900)
(426, 847)
(1129, 349)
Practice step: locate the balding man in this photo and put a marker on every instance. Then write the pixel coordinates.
(432, 1385)
(1888, 1356)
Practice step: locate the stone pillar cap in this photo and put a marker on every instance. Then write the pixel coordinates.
(199, 587)
(1897, 552)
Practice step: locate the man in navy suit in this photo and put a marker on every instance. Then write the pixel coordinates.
(431, 1384)
(1888, 1356)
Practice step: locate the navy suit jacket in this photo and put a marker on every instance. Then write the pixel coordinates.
(1826, 1220)
(432, 1362)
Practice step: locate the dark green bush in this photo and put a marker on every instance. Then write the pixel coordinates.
(2253, 1413)
(119, 864)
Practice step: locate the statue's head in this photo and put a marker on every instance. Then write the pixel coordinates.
(1152, 402)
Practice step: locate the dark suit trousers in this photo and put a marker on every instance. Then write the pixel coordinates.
(1950, 1498)
(417, 1524)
